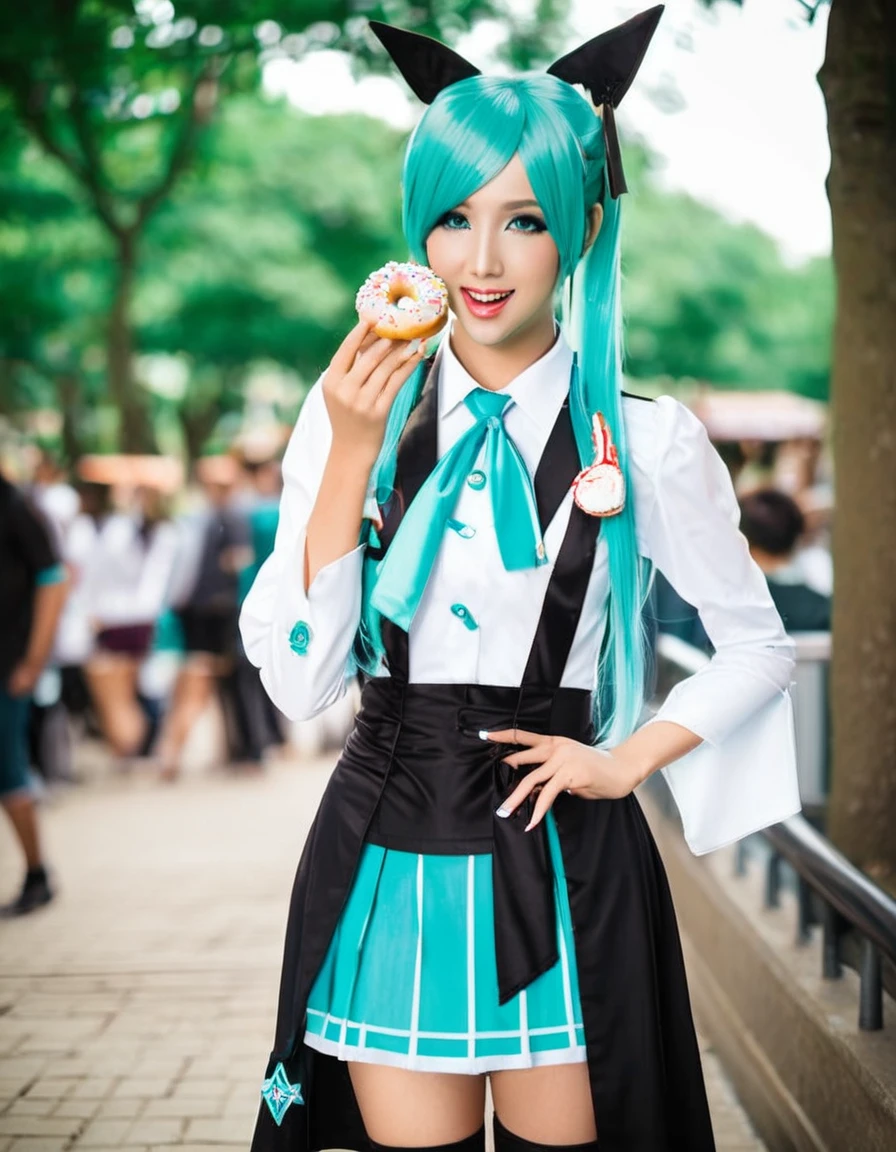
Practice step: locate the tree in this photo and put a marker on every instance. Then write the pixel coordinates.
(119, 94)
(257, 256)
(857, 81)
(249, 271)
(712, 300)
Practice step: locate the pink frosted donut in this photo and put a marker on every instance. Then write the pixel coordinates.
(403, 301)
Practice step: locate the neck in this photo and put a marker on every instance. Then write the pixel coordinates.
(494, 368)
(770, 563)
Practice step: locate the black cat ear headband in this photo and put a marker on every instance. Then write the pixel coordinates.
(604, 66)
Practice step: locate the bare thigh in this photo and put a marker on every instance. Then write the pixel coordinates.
(112, 678)
(414, 1109)
(547, 1105)
(193, 690)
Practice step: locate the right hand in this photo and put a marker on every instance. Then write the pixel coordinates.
(360, 385)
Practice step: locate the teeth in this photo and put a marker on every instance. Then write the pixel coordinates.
(487, 297)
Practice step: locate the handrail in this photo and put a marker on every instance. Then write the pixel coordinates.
(836, 880)
(850, 902)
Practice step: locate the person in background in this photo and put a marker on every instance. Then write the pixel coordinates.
(262, 723)
(773, 525)
(49, 736)
(53, 496)
(32, 592)
(214, 548)
(126, 581)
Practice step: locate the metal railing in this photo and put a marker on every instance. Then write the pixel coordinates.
(857, 918)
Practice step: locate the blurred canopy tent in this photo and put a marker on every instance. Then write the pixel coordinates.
(163, 473)
(772, 416)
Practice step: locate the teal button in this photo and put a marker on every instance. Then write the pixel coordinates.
(467, 531)
(300, 638)
(476, 480)
(463, 613)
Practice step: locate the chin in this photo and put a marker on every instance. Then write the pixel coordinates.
(485, 333)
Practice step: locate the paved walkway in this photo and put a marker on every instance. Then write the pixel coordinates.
(136, 1011)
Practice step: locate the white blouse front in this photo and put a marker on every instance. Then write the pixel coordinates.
(687, 524)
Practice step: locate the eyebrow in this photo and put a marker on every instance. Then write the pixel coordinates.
(510, 205)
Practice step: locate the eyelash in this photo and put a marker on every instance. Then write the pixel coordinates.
(534, 223)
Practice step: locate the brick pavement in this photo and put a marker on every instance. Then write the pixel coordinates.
(136, 1011)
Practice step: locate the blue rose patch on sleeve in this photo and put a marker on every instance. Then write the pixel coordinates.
(300, 638)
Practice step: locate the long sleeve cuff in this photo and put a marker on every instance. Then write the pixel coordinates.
(745, 782)
(714, 702)
(301, 642)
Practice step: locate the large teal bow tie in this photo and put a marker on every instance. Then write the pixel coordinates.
(408, 562)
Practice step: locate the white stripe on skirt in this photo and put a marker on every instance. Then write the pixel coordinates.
(471, 958)
(418, 968)
(567, 990)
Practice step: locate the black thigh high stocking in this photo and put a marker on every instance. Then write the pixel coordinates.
(474, 1143)
(506, 1141)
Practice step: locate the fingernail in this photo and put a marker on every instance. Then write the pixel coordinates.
(483, 735)
(503, 813)
(529, 827)
(415, 345)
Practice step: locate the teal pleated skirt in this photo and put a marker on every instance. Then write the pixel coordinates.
(410, 977)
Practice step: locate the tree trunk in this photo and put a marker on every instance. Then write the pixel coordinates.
(859, 82)
(68, 391)
(134, 431)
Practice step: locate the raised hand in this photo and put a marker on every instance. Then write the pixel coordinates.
(360, 385)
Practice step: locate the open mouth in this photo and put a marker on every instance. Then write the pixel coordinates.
(484, 305)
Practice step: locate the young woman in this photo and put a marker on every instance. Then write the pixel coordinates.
(124, 583)
(480, 895)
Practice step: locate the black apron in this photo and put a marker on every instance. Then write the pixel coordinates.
(415, 776)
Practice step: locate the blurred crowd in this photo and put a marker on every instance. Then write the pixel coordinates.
(122, 586)
(785, 494)
(123, 590)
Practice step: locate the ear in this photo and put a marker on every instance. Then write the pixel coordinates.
(595, 219)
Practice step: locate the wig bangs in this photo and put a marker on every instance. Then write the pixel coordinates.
(475, 127)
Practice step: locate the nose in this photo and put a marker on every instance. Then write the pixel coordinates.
(486, 256)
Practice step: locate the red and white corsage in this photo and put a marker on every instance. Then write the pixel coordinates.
(599, 489)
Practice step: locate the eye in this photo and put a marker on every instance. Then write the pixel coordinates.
(531, 224)
(453, 220)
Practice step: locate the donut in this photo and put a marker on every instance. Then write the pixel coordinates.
(403, 301)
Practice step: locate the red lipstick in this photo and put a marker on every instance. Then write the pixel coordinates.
(481, 310)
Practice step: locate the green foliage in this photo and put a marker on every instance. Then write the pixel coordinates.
(263, 260)
(252, 249)
(119, 94)
(810, 8)
(708, 299)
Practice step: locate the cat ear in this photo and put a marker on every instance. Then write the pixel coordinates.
(606, 67)
(427, 65)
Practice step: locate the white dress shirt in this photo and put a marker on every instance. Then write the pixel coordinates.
(741, 778)
(126, 577)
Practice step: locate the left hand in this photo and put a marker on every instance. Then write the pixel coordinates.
(23, 678)
(565, 766)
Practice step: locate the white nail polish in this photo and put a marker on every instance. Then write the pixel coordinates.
(503, 813)
(483, 735)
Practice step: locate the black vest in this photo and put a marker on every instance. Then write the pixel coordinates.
(444, 783)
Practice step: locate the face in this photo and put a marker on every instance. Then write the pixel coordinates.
(499, 263)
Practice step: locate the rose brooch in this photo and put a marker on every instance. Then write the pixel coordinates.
(599, 489)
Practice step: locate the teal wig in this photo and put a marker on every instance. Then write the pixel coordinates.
(466, 137)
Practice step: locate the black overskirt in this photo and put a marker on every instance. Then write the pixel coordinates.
(644, 1063)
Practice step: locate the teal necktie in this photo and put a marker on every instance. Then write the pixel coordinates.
(405, 569)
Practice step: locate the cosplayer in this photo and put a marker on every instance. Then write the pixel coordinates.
(480, 895)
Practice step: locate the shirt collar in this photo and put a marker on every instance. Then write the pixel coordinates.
(538, 391)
